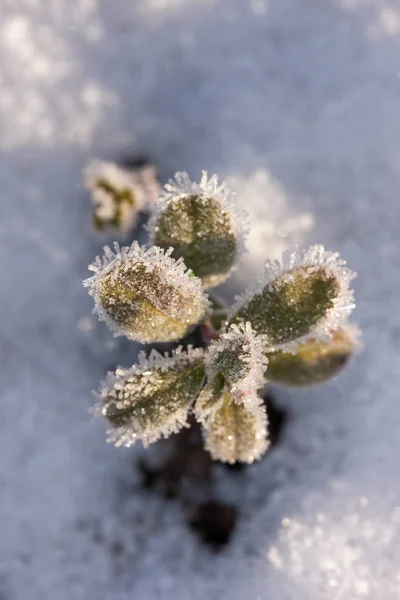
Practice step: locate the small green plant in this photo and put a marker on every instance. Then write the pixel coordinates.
(291, 327)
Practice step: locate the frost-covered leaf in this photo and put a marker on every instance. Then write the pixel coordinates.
(239, 356)
(308, 295)
(200, 222)
(118, 194)
(210, 399)
(314, 361)
(235, 433)
(146, 294)
(151, 399)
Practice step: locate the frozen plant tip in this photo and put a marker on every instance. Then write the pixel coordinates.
(151, 399)
(118, 194)
(201, 223)
(239, 356)
(145, 294)
(291, 327)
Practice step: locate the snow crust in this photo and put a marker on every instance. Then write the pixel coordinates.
(296, 105)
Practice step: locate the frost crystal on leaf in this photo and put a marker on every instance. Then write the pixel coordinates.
(119, 195)
(315, 361)
(202, 225)
(146, 294)
(307, 295)
(152, 398)
(236, 433)
(239, 356)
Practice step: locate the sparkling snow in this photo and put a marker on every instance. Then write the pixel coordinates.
(296, 104)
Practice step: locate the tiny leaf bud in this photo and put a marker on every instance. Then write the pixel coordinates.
(118, 194)
(239, 356)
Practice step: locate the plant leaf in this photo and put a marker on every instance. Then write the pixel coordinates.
(145, 294)
(151, 399)
(306, 296)
(239, 357)
(201, 224)
(236, 433)
(314, 361)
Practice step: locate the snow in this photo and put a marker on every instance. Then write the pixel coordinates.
(296, 104)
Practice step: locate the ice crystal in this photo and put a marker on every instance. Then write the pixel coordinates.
(152, 398)
(307, 295)
(315, 361)
(119, 195)
(239, 356)
(236, 433)
(146, 294)
(201, 223)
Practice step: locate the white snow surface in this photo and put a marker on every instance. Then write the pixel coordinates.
(297, 104)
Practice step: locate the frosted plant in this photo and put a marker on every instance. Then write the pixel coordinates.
(119, 195)
(291, 327)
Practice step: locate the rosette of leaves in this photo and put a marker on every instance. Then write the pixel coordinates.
(119, 195)
(145, 294)
(201, 223)
(290, 327)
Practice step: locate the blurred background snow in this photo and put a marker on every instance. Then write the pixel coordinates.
(295, 102)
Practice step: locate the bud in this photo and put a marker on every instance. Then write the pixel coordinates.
(236, 433)
(119, 195)
(151, 399)
(314, 361)
(145, 294)
(201, 224)
(306, 296)
(239, 357)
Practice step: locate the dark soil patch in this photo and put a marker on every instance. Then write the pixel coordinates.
(188, 472)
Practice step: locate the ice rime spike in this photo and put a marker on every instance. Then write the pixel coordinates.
(201, 223)
(239, 357)
(118, 194)
(152, 398)
(306, 295)
(146, 294)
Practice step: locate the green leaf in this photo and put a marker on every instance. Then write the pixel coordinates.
(235, 433)
(314, 361)
(200, 224)
(146, 295)
(238, 355)
(308, 295)
(152, 398)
